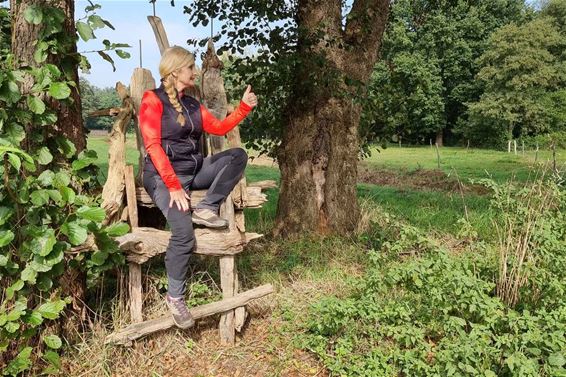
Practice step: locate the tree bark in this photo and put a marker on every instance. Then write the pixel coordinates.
(319, 151)
(24, 37)
(440, 138)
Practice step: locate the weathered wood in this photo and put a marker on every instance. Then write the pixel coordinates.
(111, 111)
(138, 330)
(226, 325)
(213, 93)
(264, 184)
(160, 34)
(141, 81)
(113, 191)
(135, 292)
(255, 198)
(240, 221)
(143, 243)
(131, 196)
(240, 313)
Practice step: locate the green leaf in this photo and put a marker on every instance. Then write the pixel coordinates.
(5, 214)
(40, 55)
(65, 146)
(55, 195)
(52, 358)
(36, 105)
(11, 290)
(95, 214)
(85, 31)
(96, 21)
(33, 14)
(3, 260)
(53, 342)
(34, 319)
(46, 178)
(44, 157)
(29, 274)
(39, 197)
(51, 309)
(59, 90)
(68, 194)
(15, 161)
(43, 244)
(556, 359)
(123, 54)
(12, 327)
(99, 257)
(117, 229)
(6, 236)
(84, 160)
(15, 132)
(44, 283)
(61, 179)
(76, 233)
(20, 363)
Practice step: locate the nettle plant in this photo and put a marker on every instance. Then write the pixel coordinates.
(50, 221)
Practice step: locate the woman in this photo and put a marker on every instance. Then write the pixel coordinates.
(171, 124)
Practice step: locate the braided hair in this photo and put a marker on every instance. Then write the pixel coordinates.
(173, 59)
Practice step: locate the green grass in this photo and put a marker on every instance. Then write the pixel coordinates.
(468, 164)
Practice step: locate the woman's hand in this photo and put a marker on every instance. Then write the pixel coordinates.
(249, 97)
(181, 198)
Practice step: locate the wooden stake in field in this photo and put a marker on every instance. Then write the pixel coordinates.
(437, 155)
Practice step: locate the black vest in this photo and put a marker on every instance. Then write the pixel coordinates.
(180, 142)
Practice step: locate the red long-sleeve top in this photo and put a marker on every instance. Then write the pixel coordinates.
(151, 110)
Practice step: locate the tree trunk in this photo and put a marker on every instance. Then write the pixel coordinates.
(319, 151)
(24, 35)
(440, 138)
(69, 123)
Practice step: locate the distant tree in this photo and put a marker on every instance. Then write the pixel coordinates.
(524, 74)
(429, 62)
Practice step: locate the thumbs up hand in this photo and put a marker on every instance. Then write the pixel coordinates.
(249, 98)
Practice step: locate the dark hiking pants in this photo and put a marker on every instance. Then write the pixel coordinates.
(219, 174)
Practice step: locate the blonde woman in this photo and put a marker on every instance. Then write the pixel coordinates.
(171, 124)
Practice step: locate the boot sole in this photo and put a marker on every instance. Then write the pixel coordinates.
(184, 327)
(209, 224)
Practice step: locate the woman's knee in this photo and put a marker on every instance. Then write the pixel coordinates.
(239, 156)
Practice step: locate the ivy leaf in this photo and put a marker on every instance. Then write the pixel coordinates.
(68, 194)
(51, 309)
(95, 214)
(5, 214)
(33, 14)
(59, 90)
(75, 232)
(61, 179)
(36, 105)
(117, 229)
(46, 178)
(6, 236)
(85, 159)
(44, 283)
(11, 290)
(43, 244)
(39, 198)
(65, 146)
(85, 31)
(99, 257)
(29, 274)
(34, 319)
(53, 342)
(14, 161)
(44, 157)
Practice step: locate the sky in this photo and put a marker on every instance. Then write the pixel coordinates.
(129, 18)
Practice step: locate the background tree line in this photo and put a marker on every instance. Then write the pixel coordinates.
(483, 71)
(95, 98)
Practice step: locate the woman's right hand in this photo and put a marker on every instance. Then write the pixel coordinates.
(181, 198)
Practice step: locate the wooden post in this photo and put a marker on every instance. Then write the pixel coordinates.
(226, 326)
(113, 191)
(131, 196)
(160, 34)
(141, 81)
(437, 155)
(135, 291)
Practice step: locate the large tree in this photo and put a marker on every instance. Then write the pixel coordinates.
(24, 47)
(314, 59)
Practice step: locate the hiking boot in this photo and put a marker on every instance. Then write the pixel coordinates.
(209, 219)
(181, 315)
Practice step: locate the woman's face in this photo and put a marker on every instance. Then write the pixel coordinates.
(186, 77)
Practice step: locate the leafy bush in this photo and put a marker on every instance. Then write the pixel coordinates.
(424, 311)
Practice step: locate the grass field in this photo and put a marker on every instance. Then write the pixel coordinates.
(403, 182)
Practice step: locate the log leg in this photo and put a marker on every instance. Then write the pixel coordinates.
(240, 313)
(226, 326)
(135, 291)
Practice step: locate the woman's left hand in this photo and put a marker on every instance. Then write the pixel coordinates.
(249, 97)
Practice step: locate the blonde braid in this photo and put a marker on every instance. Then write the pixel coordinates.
(169, 86)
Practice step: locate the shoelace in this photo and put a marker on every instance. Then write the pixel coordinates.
(180, 306)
